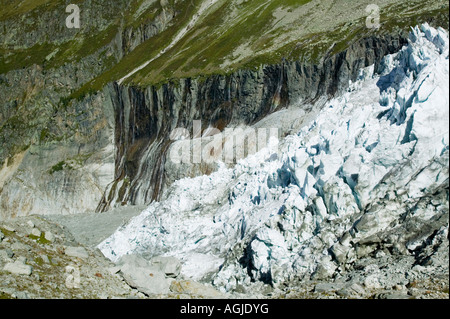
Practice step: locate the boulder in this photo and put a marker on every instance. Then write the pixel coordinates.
(352, 291)
(18, 246)
(372, 282)
(133, 259)
(18, 268)
(6, 255)
(141, 275)
(78, 252)
(327, 287)
(36, 232)
(49, 236)
(190, 287)
(170, 266)
(45, 258)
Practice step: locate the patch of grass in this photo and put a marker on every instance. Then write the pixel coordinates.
(58, 167)
(4, 296)
(70, 164)
(77, 49)
(6, 232)
(69, 52)
(44, 135)
(23, 58)
(12, 8)
(147, 15)
(40, 240)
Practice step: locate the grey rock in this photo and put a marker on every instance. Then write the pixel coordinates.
(170, 266)
(143, 276)
(9, 228)
(20, 295)
(399, 287)
(372, 282)
(114, 270)
(36, 232)
(1, 236)
(194, 288)
(6, 255)
(353, 290)
(344, 293)
(9, 252)
(45, 258)
(356, 288)
(18, 246)
(393, 296)
(49, 236)
(147, 280)
(18, 268)
(78, 252)
(133, 259)
(327, 287)
(372, 268)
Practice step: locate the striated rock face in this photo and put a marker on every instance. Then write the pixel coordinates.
(366, 178)
(145, 118)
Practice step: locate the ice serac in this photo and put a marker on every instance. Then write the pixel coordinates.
(370, 172)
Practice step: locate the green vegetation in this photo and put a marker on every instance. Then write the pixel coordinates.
(216, 38)
(5, 296)
(58, 167)
(70, 164)
(22, 58)
(12, 8)
(207, 46)
(6, 232)
(40, 240)
(141, 53)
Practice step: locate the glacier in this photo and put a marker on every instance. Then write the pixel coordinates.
(374, 159)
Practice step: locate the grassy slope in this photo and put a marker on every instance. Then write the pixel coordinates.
(13, 8)
(213, 45)
(207, 47)
(88, 40)
(232, 35)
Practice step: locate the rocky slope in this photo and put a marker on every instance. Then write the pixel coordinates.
(365, 179)
(40, 259)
